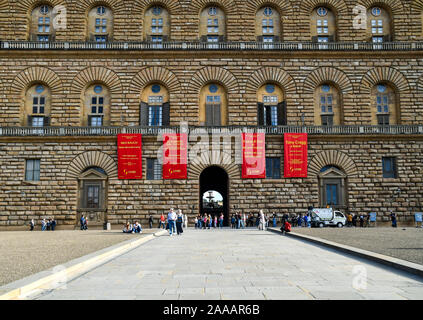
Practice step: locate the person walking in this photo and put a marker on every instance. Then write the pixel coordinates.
(361, 221)
(150, 221)
(306, 221)
(162, 220)
(349, 220)
(394, 220)
(43, 225)
(179, 222)
(32, 225)
(262, 225)
(171, 217)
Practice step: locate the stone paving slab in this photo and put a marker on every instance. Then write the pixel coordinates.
(23, 253)
(401, 243)
(301, 271)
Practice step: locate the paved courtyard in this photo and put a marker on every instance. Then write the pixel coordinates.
(241, 264)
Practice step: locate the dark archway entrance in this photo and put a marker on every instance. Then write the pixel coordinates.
(215, 178)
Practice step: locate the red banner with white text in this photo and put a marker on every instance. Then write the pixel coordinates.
(296, 152)
(175, 156)
(129, 156)
(253, 156)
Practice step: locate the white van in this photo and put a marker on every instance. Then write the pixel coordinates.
(325, 217)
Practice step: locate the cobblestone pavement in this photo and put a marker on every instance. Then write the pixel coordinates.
(23, 253)
(240, 264)
(395, 242)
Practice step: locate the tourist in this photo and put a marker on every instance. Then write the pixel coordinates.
(215, 222)
(186, 221)
(221, 221)
(243, 221)
(250, 220)
(179, 222)
(32, 225)
(262, 225)
(354, 220)
(162, 221)
(237, 220)
(195, 222)
(171, 217)
(150, 221)
(127, 228)
(48, 224)
(306, 221)
(53, 224)
(361, 221)
(274, 220)
(286, 227)
(137, 227)
(86, 224)
(258, 220)
(300, 220)
(205, 222)
(82, 221)
(367, 220)
(209, 221)
(393, 219)
(43, 225)
(233, 221)
(349, 220)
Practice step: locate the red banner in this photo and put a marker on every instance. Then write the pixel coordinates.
(296, 151)
(253, 156)
(175, 156)
(129, 156)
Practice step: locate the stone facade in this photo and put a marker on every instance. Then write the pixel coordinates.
(184, 73)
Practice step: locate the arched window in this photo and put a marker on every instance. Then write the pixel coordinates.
(212, 25)
(327, 106)
(97, 106)
(157, 25)
(213, 105)
(379, 25)
(38, 105)
(271, 106)
(323, 25)
(155, 107)
(333, 187)
(384, 105)
(100, 25)
(42, 24)
(268, 25)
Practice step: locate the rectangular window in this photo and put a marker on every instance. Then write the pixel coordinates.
(383, 119)
(322, 27)
(154, 169)
(332, 198)
(93, 196)
(212, 26)
(96, 121)
(38, 105)
(157, 26)
(389, 167)
(155, 115)
(267, 26)
(273, 168)
(37, 121)
(32, 170)
(100, 25)
(327, 120)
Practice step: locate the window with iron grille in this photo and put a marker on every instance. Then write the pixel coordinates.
(154, 169)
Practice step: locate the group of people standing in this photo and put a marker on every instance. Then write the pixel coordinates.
(206, 221)
(48, 225)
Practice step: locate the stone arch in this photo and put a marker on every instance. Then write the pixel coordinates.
(339, 6)
(92, 159)
(93, 74)
(252, 6)
(380, 74)
(213, 74)
(4, 6)
(210, 158)
(85, 5)
(155, 74)
(327, 74)
(24, 7)
(417, 5)
(395, 6)
(36, 74)
(419, 85)
(140, 6)
(335, 158)
(229, 6)
(271, 74)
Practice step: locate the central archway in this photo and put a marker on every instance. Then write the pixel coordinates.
(215, 178)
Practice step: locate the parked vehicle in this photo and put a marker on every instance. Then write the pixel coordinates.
(325, 217)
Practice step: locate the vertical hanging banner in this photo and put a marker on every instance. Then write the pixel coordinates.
(296, 151)
(253, 156)
(129, 156)
(175, 156)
